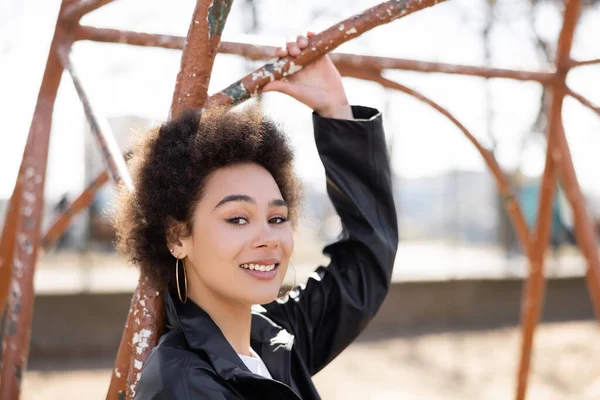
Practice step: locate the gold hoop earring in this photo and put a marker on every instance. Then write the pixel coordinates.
(289, 281)
(183, 300)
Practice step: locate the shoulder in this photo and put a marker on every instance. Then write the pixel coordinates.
(173, 371)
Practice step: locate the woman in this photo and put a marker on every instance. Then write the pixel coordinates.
(209, 223)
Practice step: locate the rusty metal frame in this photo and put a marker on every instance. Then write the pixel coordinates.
(21, 236)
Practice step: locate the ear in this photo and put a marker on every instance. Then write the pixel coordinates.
(176, 231)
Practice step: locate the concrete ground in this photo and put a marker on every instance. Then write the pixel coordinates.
(442, 366)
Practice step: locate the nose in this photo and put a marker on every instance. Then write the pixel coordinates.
(266, 238)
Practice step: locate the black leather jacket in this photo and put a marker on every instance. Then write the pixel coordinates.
(299, 337)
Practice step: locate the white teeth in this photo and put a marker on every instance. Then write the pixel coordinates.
(257, 267)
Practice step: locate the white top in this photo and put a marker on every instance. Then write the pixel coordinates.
(255, 364)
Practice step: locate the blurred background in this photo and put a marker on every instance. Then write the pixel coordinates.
(449, 328)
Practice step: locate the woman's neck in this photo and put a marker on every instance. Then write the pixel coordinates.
(234, 320)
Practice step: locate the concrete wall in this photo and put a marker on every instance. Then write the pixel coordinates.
(90, 325)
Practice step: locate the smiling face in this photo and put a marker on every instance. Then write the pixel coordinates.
(241, 240)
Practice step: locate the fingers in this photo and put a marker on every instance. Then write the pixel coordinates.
(294, 47)
(302, 42)
(280, 52)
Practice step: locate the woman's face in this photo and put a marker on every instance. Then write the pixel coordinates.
(241, 241)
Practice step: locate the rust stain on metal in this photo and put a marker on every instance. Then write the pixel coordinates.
(7, 244)
(341, 60)
(534, 287)
(79, 204)
(144, 325)
(143, 328)
(24, 222)
(75, 11)
(323, 43)
(200, 49)
(585, 102)
(217, 16)
(512, 206)
(109, 149)
(145, 320)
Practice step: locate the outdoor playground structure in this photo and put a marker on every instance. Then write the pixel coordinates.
(22, 238)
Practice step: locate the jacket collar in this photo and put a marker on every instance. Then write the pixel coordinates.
(270, 341)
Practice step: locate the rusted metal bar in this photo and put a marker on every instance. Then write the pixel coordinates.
(79, 204)
(75, 11)
(533, 292)
(318, 46)
(584, 230)
(199, 54)
(587, 103)
(574, 63)
(7, 245)
(504, 187)
(117, 171)
(143, 328)
(145, 320)
(28, 196)
(107, 35)
(111, 155)
(557, 149)
(341, 60)
(346, 62)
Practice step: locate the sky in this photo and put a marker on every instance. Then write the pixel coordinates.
(125, 80)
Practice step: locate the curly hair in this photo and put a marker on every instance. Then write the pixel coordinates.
(170, 166)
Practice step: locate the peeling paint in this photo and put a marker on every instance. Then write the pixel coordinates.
(258, 74)
(294, 68)
(140, 340)
(117, 373)
(351, 31)
(217, 15)
(237, 91)
(137, 364)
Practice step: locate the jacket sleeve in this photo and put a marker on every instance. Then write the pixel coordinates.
(337, 302)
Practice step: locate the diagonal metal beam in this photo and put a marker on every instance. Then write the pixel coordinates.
(534, 288)
(585, 102)
(111, 155)
(74, 12)
(504, 187)
(202, 44)
(21, 236)
(318, 45)
(79, 204)
(145, 321)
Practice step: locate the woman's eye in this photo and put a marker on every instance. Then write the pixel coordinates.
(278, 220)
(238, 221)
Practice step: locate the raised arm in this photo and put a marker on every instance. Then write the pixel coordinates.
(338, 302)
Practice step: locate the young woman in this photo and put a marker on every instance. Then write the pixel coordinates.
(210, 221)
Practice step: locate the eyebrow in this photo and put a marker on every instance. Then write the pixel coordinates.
(248, 199)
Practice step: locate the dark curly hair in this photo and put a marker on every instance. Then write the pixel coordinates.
(170, 166)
